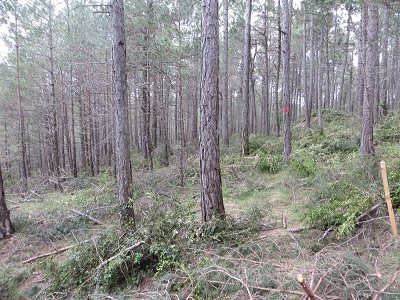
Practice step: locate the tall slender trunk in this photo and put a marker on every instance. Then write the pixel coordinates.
(212, 204)
(53, 103)
(24, 176)
(6, 228)
(305, 91)
(246, 80)
(122, 142)
(385, 43)
(286, 101)
(181, 126)
(341, 101)
(265, 102)
(367, 138)
(277, 77)
(225, 123)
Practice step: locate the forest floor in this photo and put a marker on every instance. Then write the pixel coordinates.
(257, 253)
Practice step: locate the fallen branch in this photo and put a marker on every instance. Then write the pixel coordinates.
(359, 219)
(388, 285)
(86, 215)
(325, 234)
(310, 293)
(54, 252)
(119, 254)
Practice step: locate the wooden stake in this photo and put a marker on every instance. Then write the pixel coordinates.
(388, 200)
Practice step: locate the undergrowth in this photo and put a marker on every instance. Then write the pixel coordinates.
(241, 256)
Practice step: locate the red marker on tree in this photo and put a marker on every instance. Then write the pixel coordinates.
(286, 109)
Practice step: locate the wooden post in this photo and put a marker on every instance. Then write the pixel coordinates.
(388, 200)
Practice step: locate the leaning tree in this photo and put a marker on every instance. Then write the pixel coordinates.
(6, 228)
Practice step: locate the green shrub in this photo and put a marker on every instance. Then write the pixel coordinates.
(344, 203)
(265, 144)
(388, 128)
(394, 183)
(10, 279)
(268, 163)
(304, 163)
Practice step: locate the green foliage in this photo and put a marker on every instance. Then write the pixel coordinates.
(230, 231)
(393, 172)
(388, 129)
(166, 256)
(344, 202)
(265, 144)
(268, 163)
(10, 278)
(304, 162)
(79, 266)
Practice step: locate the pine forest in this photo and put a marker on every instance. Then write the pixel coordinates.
(165, 149)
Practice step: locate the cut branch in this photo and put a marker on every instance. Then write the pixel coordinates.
(388, 285)
(86, 215)
(54, 252)
(310, 293)
(119, 254)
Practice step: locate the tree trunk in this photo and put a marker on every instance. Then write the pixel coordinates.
(246, 80)
(278, 70)
(181, 127)
(225, 123)
(212, 204)
(265, 102)
(367, 140)
(53, 104)
(385, 42)
(287, 135)
(305, 92)
(6, 228)
(361, 61)
(122, 142)
(341, 101)
(24, 176)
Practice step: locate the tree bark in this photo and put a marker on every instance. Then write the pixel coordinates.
(265, 102)
(122, 142)
(212, 204)
(6, 228)
(385, 42)
(286, 101)
(305, 92)
(24, 176)
(246, 80)
(367, 139)
(278, 70)
(225, 123)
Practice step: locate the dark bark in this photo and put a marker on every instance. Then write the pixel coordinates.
(22, 142)
(53, 105)
(212, 204)
(225, 123)
(278, 70)
(246, 81)
(122, 142)
(305, 91)
(385, 43)
(265, 102)
(367, 139)
(6, 228)
(286, 101)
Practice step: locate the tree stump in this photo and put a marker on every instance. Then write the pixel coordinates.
(6, 228)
